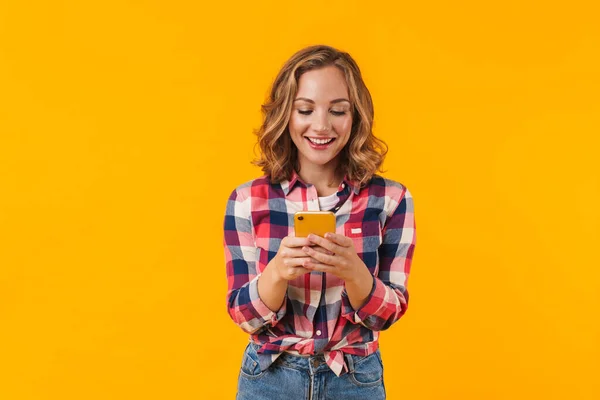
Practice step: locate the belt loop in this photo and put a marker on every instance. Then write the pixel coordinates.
(349, 362)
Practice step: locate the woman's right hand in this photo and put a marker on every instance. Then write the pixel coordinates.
(290, 257)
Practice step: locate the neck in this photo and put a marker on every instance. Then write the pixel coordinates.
(323, 177)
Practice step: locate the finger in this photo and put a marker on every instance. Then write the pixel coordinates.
(296, 241)
(320, 249)
(338, 239)
(325, 243)
(293, 252)
(323, 258)
(321, 267)
(299, 261)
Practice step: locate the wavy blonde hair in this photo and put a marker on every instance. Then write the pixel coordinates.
(362, 156)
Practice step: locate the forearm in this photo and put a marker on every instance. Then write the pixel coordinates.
(384, 306)
(359, 288)
(271, 287)
(258, 303)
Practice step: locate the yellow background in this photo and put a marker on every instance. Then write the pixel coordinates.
(124, 126)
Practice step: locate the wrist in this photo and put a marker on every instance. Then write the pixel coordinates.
(273, 271)
(363, 275)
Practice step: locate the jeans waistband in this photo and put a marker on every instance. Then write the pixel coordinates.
(315, 363)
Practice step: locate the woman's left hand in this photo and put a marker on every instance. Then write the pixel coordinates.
(343, 263)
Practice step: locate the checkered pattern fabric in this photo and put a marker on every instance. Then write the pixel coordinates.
(316, 316)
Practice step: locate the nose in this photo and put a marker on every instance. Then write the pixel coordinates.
(323, 128)
(322, 124)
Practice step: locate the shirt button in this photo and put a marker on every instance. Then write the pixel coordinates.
(318, 333)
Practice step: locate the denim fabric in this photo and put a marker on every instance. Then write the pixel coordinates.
(293, 377)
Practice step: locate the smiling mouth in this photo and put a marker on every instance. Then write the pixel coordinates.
(320, 142)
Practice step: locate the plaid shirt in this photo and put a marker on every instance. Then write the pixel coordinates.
(316, 316)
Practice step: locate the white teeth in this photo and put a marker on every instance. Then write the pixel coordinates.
(320, 141)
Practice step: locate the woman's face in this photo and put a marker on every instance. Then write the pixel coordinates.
(321, 118)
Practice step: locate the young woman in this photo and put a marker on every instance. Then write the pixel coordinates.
(314, 306)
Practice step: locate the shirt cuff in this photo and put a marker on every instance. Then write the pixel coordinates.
(369, 309)
(260, 309)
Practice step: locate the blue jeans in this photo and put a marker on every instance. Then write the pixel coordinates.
(293, 377)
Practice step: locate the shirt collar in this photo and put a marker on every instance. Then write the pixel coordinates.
(288, 185)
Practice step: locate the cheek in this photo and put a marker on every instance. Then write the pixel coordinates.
(296, 125)
(343, 126)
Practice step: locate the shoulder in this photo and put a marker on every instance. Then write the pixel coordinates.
(249, 188)
(386, 187)
(392, 192)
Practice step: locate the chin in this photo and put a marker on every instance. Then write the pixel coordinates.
(319, 160)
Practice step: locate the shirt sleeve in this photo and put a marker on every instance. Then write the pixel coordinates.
(244, 304)
(388, 299)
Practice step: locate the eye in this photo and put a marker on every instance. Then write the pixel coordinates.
(308, 112)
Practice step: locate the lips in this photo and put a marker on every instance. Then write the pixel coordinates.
(318, 146)
(318, 138)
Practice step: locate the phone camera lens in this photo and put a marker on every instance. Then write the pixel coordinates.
(300, 218)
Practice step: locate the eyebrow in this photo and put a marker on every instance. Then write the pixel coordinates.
(313, 102)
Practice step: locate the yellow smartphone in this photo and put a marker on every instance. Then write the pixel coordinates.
(316, 222)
